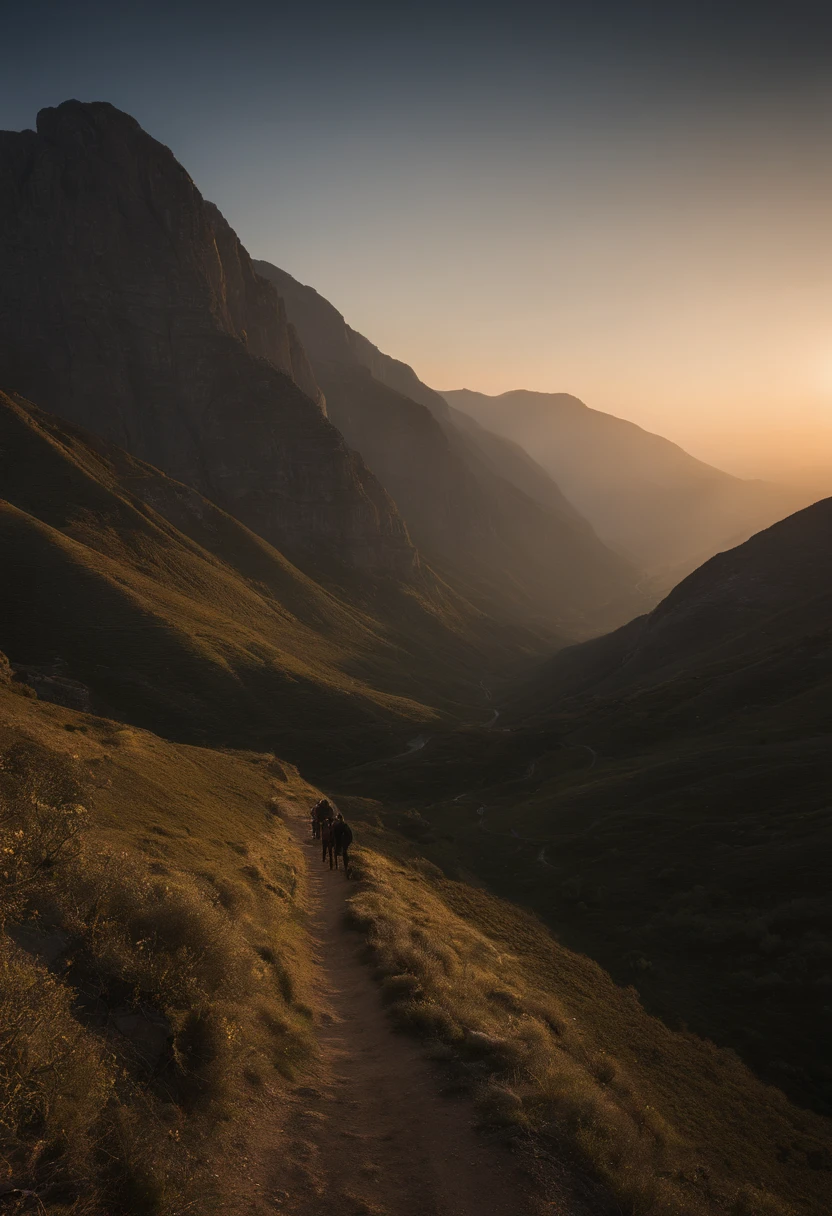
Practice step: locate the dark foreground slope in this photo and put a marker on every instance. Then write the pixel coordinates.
(661, 797)
(644, 495)
(485, 515)
(129, 307)
(180, 619)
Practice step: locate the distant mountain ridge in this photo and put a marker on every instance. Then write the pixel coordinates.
(483, 512)
(770, 596)
(644, 495)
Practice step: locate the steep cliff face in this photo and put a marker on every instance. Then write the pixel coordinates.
(129, 306)
(484, 514)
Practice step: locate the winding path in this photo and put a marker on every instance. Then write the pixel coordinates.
(374, 1136)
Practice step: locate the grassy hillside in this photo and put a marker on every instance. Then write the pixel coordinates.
(153, 964)
(608, 910)
(659, 1120)
(180, 619)
(661, 797)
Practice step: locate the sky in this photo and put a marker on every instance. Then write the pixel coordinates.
(625, 201)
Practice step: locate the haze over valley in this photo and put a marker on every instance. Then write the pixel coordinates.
(414, 776)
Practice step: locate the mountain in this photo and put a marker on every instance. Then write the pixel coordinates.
(488, 518)
(706, 817)
(129, 307)
(766, 602)
(130, 592)
(696, 871)
(660, 797)
(644, 495)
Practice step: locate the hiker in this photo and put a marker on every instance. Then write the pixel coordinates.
(327, 840)
(316, 820)
(342, 834)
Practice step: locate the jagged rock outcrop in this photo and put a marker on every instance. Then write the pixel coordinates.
(129, 306)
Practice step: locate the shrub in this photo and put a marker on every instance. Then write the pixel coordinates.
(55, 1080)
(41, 817)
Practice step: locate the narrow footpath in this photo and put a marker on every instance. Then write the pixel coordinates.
(376, 1136)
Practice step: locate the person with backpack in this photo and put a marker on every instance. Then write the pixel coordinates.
(342, 836)
(316, 819)
(320, 812)
(327, 840)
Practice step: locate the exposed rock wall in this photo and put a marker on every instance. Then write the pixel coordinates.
(129, 306)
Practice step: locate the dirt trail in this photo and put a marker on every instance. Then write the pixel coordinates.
(375, 1136)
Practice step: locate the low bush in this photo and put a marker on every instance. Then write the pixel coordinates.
(55, 1082)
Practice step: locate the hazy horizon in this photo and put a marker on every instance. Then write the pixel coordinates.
(616, 202)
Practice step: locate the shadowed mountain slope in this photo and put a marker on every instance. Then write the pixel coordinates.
(771, 595)
(644, 495)
(661, 797)
(485, 515)
(129, 307)
(179, 618)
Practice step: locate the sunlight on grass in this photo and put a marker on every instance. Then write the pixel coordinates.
(529, 1063)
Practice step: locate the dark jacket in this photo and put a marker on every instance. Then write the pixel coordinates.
(342, 835)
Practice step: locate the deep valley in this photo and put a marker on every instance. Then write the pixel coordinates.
(571, 697)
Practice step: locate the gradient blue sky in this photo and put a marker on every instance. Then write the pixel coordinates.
(630, 202)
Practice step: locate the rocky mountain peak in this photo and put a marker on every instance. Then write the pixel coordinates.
(130, 307)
